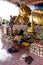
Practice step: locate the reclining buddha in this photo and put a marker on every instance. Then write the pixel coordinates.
(26, 15)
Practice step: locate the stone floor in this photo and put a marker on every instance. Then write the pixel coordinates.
(14, 59)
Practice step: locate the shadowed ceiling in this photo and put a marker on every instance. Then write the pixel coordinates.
(27, 2)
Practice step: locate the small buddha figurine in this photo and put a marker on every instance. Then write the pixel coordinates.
(31, 29)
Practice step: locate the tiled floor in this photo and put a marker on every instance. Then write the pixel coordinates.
(14, 59)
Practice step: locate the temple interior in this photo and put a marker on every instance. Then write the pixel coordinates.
(21, 32)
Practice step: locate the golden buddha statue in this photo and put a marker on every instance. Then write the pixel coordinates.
(37, 17)
(40, 11)
(24, 14)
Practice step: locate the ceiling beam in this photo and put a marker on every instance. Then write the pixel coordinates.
(27, 2)
(34, 2)
(13, 1)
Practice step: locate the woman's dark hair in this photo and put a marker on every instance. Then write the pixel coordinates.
(21, 32)
(29, 24)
